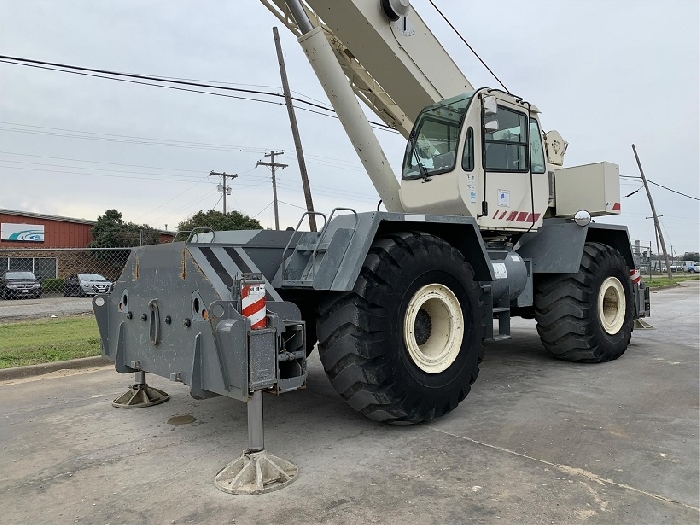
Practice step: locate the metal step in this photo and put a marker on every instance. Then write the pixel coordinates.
(311, 247)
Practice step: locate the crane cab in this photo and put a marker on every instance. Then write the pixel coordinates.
(479, 154)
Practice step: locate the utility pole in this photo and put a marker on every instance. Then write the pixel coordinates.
(223, 188)
(272, 164)
(653, 213)
(295, 132)
(658, 250)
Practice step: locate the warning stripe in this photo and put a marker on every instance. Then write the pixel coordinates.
(635, 276)
(253, 305)
(516, 216)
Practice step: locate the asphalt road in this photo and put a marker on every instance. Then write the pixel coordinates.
(44, 307)
(536, 441)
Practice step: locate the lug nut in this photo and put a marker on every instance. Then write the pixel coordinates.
(187, 323)
(168, 320)
(144, 317)
(129, 315)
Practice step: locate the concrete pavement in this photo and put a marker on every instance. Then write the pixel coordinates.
(44, 307)
(536, 441)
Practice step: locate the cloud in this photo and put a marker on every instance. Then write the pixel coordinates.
(605, 74)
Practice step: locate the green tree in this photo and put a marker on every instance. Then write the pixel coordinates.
(217, 221)
(111, 231)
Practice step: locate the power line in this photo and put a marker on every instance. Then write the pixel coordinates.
(467, 44)
(635, 191)
(146, 141)
(266, 207)
(153, 78)
(660, 186)
(326, 191)
(130, 78)
(98, 174)
(181, 177)
(672, 190)
(293, 205)
(99, 162)
(89, 135)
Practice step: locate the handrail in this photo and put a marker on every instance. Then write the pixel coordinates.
(323, 233)
(197, 230)
(296, 230)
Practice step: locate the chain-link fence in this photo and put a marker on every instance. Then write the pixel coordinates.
(55, 281)
(650, 261)
(60, 281)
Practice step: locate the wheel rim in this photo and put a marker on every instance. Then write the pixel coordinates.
(433, 328)
(611, 305)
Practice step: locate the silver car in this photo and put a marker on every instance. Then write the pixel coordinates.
(82, 284)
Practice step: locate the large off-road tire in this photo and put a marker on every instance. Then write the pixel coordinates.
(587, 316)
(405, 345)
(309, 315)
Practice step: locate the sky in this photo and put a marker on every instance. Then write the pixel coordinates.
(605, 74)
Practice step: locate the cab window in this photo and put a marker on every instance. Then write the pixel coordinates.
(537, 164)
(506, 149)
(468, 155)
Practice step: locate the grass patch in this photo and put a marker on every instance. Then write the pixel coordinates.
(665, 281)
(46, 340)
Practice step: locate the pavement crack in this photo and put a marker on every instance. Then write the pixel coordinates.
(574, 471)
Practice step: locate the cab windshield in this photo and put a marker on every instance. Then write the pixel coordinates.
(432, 145)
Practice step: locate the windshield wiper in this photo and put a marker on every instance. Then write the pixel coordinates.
(421, 168)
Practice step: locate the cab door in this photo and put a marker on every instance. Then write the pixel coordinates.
(510, 185)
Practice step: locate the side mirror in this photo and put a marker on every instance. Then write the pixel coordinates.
(582, 218)
(491, 126)
(490, 106)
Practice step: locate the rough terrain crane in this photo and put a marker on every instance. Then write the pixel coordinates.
(485, 224)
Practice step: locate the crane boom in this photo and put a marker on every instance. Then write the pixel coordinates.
(396, 68)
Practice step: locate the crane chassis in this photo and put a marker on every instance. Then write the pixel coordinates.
(485, 225)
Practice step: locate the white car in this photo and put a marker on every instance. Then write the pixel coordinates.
(82, 284)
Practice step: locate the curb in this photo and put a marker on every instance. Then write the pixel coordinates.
(664, 287)
(19, 372)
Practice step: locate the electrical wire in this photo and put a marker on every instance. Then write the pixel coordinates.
(661, 186)
(266, 207)
(89, 135)
(98, 162)
(672, 190)
(467, 44)
(635, 191)
(130, 78)
(99, 174)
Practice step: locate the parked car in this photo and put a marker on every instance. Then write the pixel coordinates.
(14, 285)
(691, 267)
(83, 284)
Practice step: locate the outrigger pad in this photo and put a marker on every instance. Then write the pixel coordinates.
(140, 396)
(642, 324)
(256, 473)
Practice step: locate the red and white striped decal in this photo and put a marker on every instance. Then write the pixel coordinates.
(515, 216)
(635, 276)
(254, 305)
